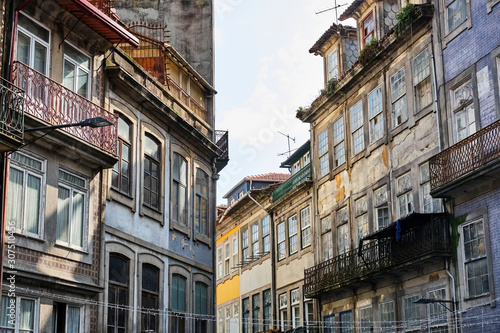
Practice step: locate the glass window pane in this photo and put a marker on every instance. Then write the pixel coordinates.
(77, 231)
(27, 315)
(33, 194)
(63, 205)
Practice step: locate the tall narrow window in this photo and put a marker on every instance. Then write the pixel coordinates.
(220, 272)
(361, 213)
(150, 298)
(266, 311)
(368, 29)
(305, 226)
(227, 257)
(281, 232)
(411, 313)
(244, 246)
(455, 13)
(376, 115)
(33, 44)
(178, 304)
(24, 193)
(346, 323)
(227, 324)
(326, 238)
(387, 319)
(357, 130)
(295, 307)
(201, 307)
(256, 313)
(118, 289)
(339, 141)
(366, 324)
(266, 245)
(245, 315)
(462, 103)
(68, 318)
(398, 98)
(475, 259)
(201, 203)
(179, 189)
(404, 195)
(422, 79)
(71, 210)
(283, 305)
(438, 315)
(152, 171)
(329, 324)
(428, 203)
(293, 240)
(255, 240)
(381, 207)
(333, 65)
(120, 177)
(323, 153)
(235, 251)
(343, 237)
(76, 72)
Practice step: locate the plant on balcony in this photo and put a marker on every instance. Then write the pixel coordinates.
(405, 18)
(369, 52)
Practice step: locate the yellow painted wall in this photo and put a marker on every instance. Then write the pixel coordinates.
(220, 240)
(228, 290)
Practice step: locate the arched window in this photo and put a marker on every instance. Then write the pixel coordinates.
(118, 290)
(152, 171)
(201, 307)
(178, 303)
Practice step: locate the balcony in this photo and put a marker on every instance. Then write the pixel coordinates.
(295, 180)
(413, 241)
(11, 116)
(471, 163)
(49, 103)
(222, 141)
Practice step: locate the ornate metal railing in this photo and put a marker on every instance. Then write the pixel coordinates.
(222, 141)
(292, 182)
(11, 110)
(54, 104)
(105, 6)
(466, 156)
(426, 236)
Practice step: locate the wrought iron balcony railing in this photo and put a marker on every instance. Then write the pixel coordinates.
(466, 156)
(420, 236)
(222, 141)
(11, 110)
(292, 182)
(52, 103)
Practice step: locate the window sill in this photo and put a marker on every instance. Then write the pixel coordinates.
(203, 239)
(124, 199)
(152, 213)
(23, 235)
(181, 228)
(72, 248)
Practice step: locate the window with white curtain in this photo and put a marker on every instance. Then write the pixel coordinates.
(25, 193)
(68, 318)
(72, 210)
(27, 315)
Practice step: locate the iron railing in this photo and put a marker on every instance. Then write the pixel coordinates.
(105, 6)
(54, 104)
(295, 180)
(425, 236)
(466, 156)
(11, 110)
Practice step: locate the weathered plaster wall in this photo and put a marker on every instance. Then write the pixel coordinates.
(190, 24)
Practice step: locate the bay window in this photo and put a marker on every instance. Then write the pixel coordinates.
(376, 115)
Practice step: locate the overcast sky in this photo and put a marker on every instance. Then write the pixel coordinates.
(263, 74)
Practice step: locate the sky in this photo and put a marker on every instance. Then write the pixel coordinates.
(263, 74)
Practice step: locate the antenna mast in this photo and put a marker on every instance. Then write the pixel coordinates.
(289, 138)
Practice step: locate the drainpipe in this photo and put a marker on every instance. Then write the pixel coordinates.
(454, 291)
(273, 257)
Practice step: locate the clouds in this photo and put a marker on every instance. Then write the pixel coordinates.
(264, 73)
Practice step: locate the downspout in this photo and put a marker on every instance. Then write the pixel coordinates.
(454, 298)
(273, 257)
(215, 178)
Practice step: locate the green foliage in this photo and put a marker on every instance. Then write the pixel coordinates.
(369, 51)
(405, 18)
(330, 85)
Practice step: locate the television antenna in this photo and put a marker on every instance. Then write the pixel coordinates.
(289, 138)
(335, 6)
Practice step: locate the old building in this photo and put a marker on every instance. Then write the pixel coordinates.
(54, 52)
(466, 171)
(245, 274)
(384, 242)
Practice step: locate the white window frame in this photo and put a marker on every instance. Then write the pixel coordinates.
(375, 110)
(283, 307)
(74, 188)
(281, 244)
(411, 313)
(323, 153)
(17, 312)
(326, 238)
(381, 207)
(449, 4)
(339, 142)
(265, 224)
(361, 213)
(437, 314)
(364, 321)
(235, 251)
(333, 68)
(293, 235)
(255, 240)
(428, 204)
(220, 269)
(227, 257)
(295, 307)
(357, 128)
(28, 171)
(422, 77)
(405, 196)
(398, 96)
(244, 246)
(463, 109)
(78, 68)
(305, 227)
(387, 318)
(35, 39)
